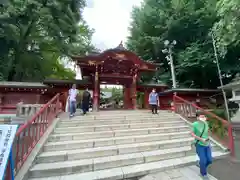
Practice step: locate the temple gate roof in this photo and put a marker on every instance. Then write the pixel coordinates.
(119, 59)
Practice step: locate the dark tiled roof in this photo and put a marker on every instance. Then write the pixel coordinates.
(94, 53)
(190, 90)
(22, 84)
(59, 81)
(120, 47)
(235, 82)
(151, 84)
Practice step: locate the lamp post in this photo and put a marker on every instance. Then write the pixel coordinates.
(220, 76)
(168, 50)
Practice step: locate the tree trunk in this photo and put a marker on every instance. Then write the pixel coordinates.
(12, 71)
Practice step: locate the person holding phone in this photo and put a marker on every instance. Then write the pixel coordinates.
(200, 130)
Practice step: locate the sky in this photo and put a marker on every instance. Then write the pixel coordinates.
(110, 19)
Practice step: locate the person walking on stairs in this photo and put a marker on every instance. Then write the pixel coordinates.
(200, 130)
(72, 100)
(153, 101)
(85, 101)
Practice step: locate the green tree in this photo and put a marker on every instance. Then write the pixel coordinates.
(189, 22)
(227, 28)
(226, 31)
(117, 94)
(32, 32)
(60, 72)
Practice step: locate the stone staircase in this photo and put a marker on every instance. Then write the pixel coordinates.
(115, 145)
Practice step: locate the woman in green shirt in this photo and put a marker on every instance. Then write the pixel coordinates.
(203, 149)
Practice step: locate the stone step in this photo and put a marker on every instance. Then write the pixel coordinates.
(85, 165)
(79, 127)
(100, 116)
(124, 114)
(130, 171)
(86, 153)
(99, 142)
(106, 134)
(92, 114)
(114, 121)
(87, 117)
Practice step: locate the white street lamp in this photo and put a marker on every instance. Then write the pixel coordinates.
(166, 42)
(169, 46)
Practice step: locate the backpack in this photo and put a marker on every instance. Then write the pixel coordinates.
(86, 95)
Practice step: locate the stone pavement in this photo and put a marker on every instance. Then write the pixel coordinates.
(224, 169)
(185, 173)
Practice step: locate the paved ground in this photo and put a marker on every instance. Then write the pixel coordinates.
(224, 169)
(186, 173)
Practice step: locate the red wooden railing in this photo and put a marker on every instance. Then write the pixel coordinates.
(31, 132)
(188, 110)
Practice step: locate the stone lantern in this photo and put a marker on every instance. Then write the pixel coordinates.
(234, 86)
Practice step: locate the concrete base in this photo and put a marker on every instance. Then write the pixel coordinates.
(236, 134)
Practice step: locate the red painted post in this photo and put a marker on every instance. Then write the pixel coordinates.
(173, 105)
(134, 92)
(126, 97)
(96, 91)
(146, 98)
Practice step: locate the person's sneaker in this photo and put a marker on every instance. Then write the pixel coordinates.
(71, 115)
(205, 177)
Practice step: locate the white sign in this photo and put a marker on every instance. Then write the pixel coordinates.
(7, 134)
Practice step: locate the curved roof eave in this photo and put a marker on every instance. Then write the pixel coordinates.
(119, 52)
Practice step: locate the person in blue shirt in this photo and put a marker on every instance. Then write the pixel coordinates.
(153, 101)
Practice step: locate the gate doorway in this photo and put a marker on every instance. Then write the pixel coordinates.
(111, 97)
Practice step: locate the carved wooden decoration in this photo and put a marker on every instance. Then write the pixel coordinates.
(91, 62)
(120, 56)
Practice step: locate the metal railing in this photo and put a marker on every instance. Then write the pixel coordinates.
(31, 132)
(188, 110)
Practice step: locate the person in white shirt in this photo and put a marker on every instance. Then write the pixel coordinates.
(72, 100)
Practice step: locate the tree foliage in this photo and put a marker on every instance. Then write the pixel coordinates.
(190, 23)
(35, 34)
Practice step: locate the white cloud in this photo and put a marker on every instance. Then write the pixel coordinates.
(110, 19)
(90, 3)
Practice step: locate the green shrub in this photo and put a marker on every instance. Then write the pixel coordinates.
(215, 125)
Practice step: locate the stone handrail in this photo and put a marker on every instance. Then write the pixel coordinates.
(27, 110)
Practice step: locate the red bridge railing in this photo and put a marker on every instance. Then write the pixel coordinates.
(31, 132)
(221, 129)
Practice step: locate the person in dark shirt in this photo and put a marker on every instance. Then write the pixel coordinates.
(85, 101)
